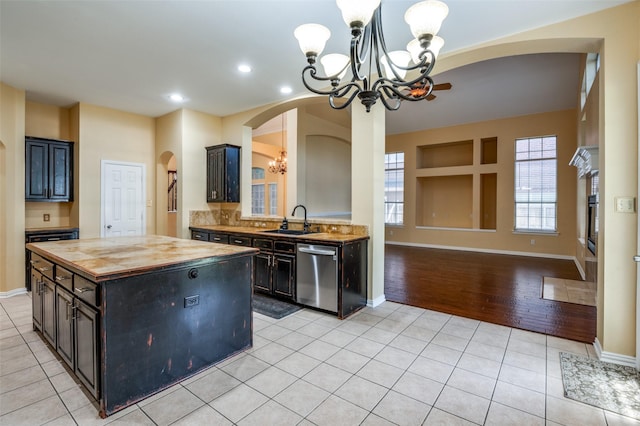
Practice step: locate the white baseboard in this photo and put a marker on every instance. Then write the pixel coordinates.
(579, 266)
(613, 358)
(483, 250)
(372, 303)
(12, 293)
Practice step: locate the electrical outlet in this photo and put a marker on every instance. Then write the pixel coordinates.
(190, 301)
(533, 242)
(46, 217)
(625, 204)
(149, 203)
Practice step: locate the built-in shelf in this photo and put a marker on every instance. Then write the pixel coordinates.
(488, 200)
(489, 150)
(445, 201)
(456, 185)
(445, 155)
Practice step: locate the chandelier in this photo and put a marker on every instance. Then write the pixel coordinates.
(369, 57)
(279, 164)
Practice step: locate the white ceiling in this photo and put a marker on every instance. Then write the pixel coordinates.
(130, 55)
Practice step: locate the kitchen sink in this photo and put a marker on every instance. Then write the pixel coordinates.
(288, 231)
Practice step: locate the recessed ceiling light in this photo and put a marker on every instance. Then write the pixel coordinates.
(244, 68)
(176, 97)
(285, 90)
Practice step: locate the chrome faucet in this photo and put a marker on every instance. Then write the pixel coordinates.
(306, 224)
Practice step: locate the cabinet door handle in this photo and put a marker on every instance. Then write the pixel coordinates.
(68, 309)
(83, 289)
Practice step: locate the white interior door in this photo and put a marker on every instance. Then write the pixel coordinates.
(123, 198)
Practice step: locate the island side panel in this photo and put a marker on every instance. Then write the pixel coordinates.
(163, 327)
(353, 291)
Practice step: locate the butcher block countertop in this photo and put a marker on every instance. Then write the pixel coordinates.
(319, 237)
(102, 259)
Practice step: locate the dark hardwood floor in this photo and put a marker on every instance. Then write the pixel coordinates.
(495, 288)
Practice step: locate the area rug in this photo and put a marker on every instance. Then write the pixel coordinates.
(273, 308)
(605, 385)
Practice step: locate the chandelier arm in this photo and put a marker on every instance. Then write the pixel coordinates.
(388, 106)
(345, 104)
(312, 72)
(358, 43)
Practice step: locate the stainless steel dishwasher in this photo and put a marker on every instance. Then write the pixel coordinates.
(317, 276)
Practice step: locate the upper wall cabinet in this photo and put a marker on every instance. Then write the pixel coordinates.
(223, 174)
(48, 170)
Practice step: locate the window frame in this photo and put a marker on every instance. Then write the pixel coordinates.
(391, 163)
(536, 156)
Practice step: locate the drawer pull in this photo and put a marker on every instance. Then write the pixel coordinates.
(83, 289)
(44, 269)
(237, 241)
(217, 239)
(34, 262)
(53, 239)
(60, 279)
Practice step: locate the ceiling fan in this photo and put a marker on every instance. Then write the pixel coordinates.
(418, 90)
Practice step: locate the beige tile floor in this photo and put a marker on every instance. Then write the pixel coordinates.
(573, 291)
(392, 364)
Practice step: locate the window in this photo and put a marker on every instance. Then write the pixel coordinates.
(257, 199)
(394, 188)
(536, 184)
(273, 199)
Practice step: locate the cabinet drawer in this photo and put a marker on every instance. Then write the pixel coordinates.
(64, 278)
(240, 240)
(44, 266)
(85, 290)
(197, 235)
(219, 238)
(263, 243)
(52, 237)
(285, 247)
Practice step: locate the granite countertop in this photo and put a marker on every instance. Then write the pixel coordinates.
(327, 237)
(101, 259)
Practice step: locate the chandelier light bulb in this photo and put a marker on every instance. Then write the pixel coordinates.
(335, 64)
(357, 13)
(425, 18)
(312, 38)
(399, 58)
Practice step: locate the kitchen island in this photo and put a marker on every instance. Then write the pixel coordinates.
(132, 316)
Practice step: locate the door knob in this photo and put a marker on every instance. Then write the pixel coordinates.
(636, 258)
(108, 226)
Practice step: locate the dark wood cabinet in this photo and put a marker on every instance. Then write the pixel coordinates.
(284, 273)
(67, 322)
(275, 268)
(86, 332)
(45, 234)
(49, 310)
(48, 170)
(64, 306)
(223, 174)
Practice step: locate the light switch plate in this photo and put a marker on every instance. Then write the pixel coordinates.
(625, 204)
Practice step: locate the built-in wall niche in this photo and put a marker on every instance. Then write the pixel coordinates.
(489, 150)
(488, 200)
(448, 154)
(445, 201)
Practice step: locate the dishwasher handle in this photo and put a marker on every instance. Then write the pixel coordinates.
(317, 251)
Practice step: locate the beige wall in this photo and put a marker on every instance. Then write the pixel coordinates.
(107, 134)
(168, 147)
(462, 207)
(199, 130)
(12, 122)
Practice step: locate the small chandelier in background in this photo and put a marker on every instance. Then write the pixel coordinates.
(369, 55)
(279, 164)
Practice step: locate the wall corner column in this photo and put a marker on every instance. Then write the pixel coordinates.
(367, 182)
